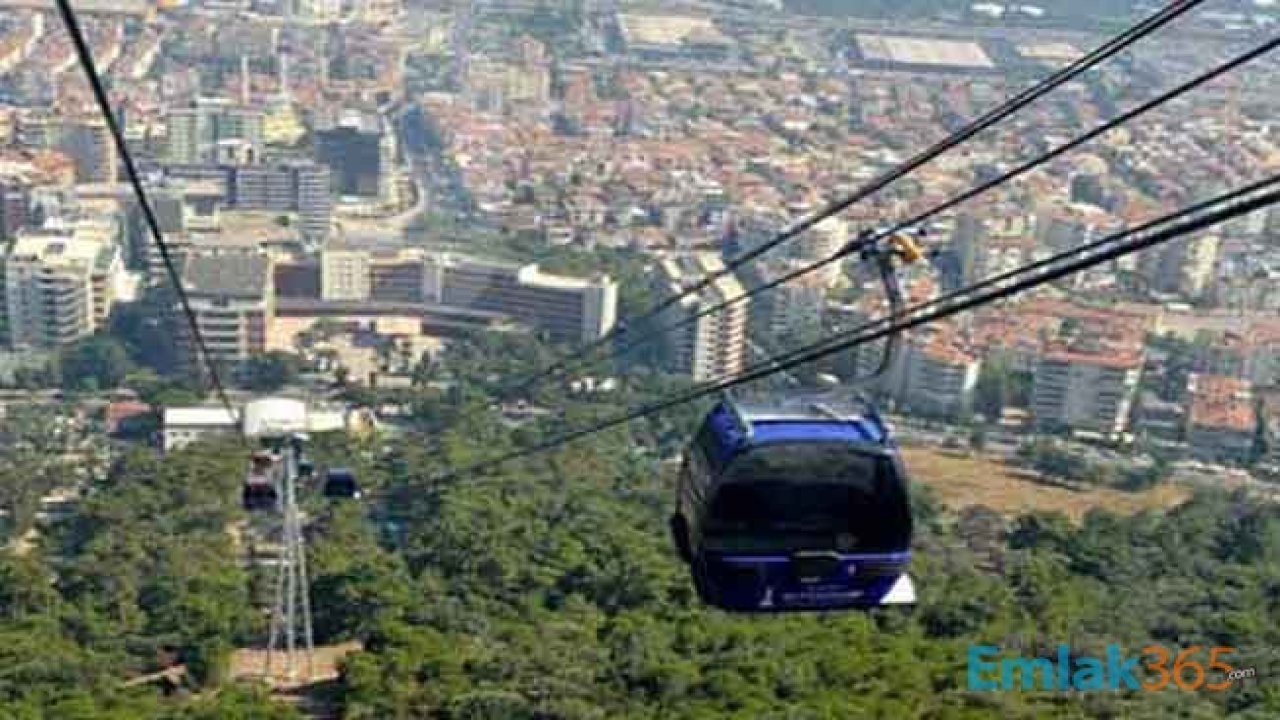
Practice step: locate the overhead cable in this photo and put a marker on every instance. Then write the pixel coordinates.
(921, 217)
(85, 56)
(1227, 206)
(1105, 51)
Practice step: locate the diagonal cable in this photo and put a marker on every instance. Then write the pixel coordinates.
(85, 56)
(1229, 205)
(1105, 51)
(961, 198)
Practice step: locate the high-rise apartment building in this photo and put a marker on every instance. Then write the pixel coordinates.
(196, 131)
(58, 287)
(301, 187)
(14, 199)
(714, 345)
(84, 140)
(1086, 388)
(233, 298)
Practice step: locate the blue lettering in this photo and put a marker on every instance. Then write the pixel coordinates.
(1026, 669)
(1121, 670)
(977, 666)
(1091, 675)
(1064, 667)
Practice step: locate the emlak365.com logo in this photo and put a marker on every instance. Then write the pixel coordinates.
(1155, 668)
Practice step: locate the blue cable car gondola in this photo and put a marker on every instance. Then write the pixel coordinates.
(802, 507)
(340, 483)
(794, 510)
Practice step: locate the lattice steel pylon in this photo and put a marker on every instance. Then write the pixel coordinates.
(291, 613)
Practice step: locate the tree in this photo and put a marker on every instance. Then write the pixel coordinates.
(1049, 458)
(1262, 431)
(548, 587)
(991, 393)
(269, 371)
(147, 333)
(96, 362)
(209, 662)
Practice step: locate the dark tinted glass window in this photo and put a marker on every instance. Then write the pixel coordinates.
(808, 462)
(809, 495)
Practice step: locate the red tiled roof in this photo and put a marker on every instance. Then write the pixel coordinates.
(1221, 402)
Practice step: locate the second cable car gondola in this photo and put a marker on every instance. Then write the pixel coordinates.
(798, 506)
(340, 483)
(259, 491)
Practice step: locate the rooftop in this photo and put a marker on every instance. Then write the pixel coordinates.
(923, 51)
(207, 416)
(669, 30)
(685, 270)
(1221, 402)
(57, 248)
(237, 274)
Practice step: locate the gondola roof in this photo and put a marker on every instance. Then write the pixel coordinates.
(733, 427)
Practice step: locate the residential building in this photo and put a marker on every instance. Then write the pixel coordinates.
(14, 199)
(195, 131)
(1252, 354)
(1183, 266)
(85, 140)
(712, 346)
(939, 374)
(495, 86)
(1221, 423)
(300, 187)
(1162, 420)
(1064, 226)
(965, 240)
(795, 309)
(1086, 387)
(233, 298)
(58, 287)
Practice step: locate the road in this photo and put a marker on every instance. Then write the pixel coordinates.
(440, 183)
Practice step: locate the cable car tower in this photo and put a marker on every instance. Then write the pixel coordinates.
(279, 425)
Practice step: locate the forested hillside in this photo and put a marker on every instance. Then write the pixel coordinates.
(549, 590)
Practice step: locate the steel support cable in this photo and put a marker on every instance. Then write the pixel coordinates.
(1188, 220)
(1010, 275)
(85, 56)
(956, 200)
(1103, 52)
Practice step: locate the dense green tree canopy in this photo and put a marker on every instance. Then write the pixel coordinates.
(98, 362)
(548, 588)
